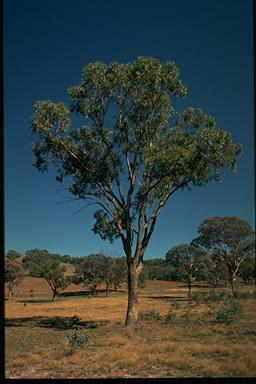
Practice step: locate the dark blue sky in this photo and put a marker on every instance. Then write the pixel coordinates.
(46, 45)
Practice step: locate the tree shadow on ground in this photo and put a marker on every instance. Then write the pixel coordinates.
(36, 301)
(57, 322)
(167, 298)
(202, 285)
(98, 292)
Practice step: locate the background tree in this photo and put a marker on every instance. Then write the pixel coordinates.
(53, 272)
(33, 257)
(119, 272)
(88, 271)
(13, 274)
(230, 239)
(130, 168)
(188, 262)
(247, 271)
(158, 269)
(213, 270)
(12, 255)
(105, 270)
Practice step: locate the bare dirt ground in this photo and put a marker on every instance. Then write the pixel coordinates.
(194, 344)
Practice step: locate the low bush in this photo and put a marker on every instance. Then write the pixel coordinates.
(227, 310)
(247, 295)
(78, 338)
(150, 315)
(170, 317)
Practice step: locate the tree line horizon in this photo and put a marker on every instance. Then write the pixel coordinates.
(205, 259)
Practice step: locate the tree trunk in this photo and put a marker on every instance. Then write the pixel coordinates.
(10, 294)
(189, 289)
(233, 283)
(189, 285)
(107, 286)
(53, 295)
(133, 280)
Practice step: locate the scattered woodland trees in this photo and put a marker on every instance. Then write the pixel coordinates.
(247, 270)
(181, 263)
(213, 271)
(41, 263)
(229, 239)
(97, 268)
(13, 255)
(131, 168)
(13, 272)
(53, 272)
(187, 260)
(118, 272)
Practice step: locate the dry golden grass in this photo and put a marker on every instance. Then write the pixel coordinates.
(193, 345)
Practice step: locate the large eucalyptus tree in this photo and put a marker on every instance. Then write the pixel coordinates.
(132, 166)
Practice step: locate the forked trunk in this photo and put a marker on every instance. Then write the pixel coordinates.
(133, 281)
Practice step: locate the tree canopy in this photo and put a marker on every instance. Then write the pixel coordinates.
(230, 239)
(158, 149)
(13, 274)
(188, 262)
(53, 272)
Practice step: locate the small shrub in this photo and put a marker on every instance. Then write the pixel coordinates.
(150, 315)
(228, 310)
(174, 305)
(78, 338)
(247, 295)
(186, 318)
(214, 297)
(170, 317)
(197, 297)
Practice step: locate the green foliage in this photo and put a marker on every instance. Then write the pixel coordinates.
(12, 255)
(171, 315)
(41, 263)
(230, 236)
(118, 272)
(225, 308)
(228, 311)
(150, 315)
(158, 149)
(142, 280)
(247, 271)
(13, 272)
(78, 338)
(32, 258)
(209, 298)
(187, 260)
(158, 269)
(92, 270)
(247, 295)
(228, 239)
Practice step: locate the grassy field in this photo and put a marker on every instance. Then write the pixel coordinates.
(194, 344)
